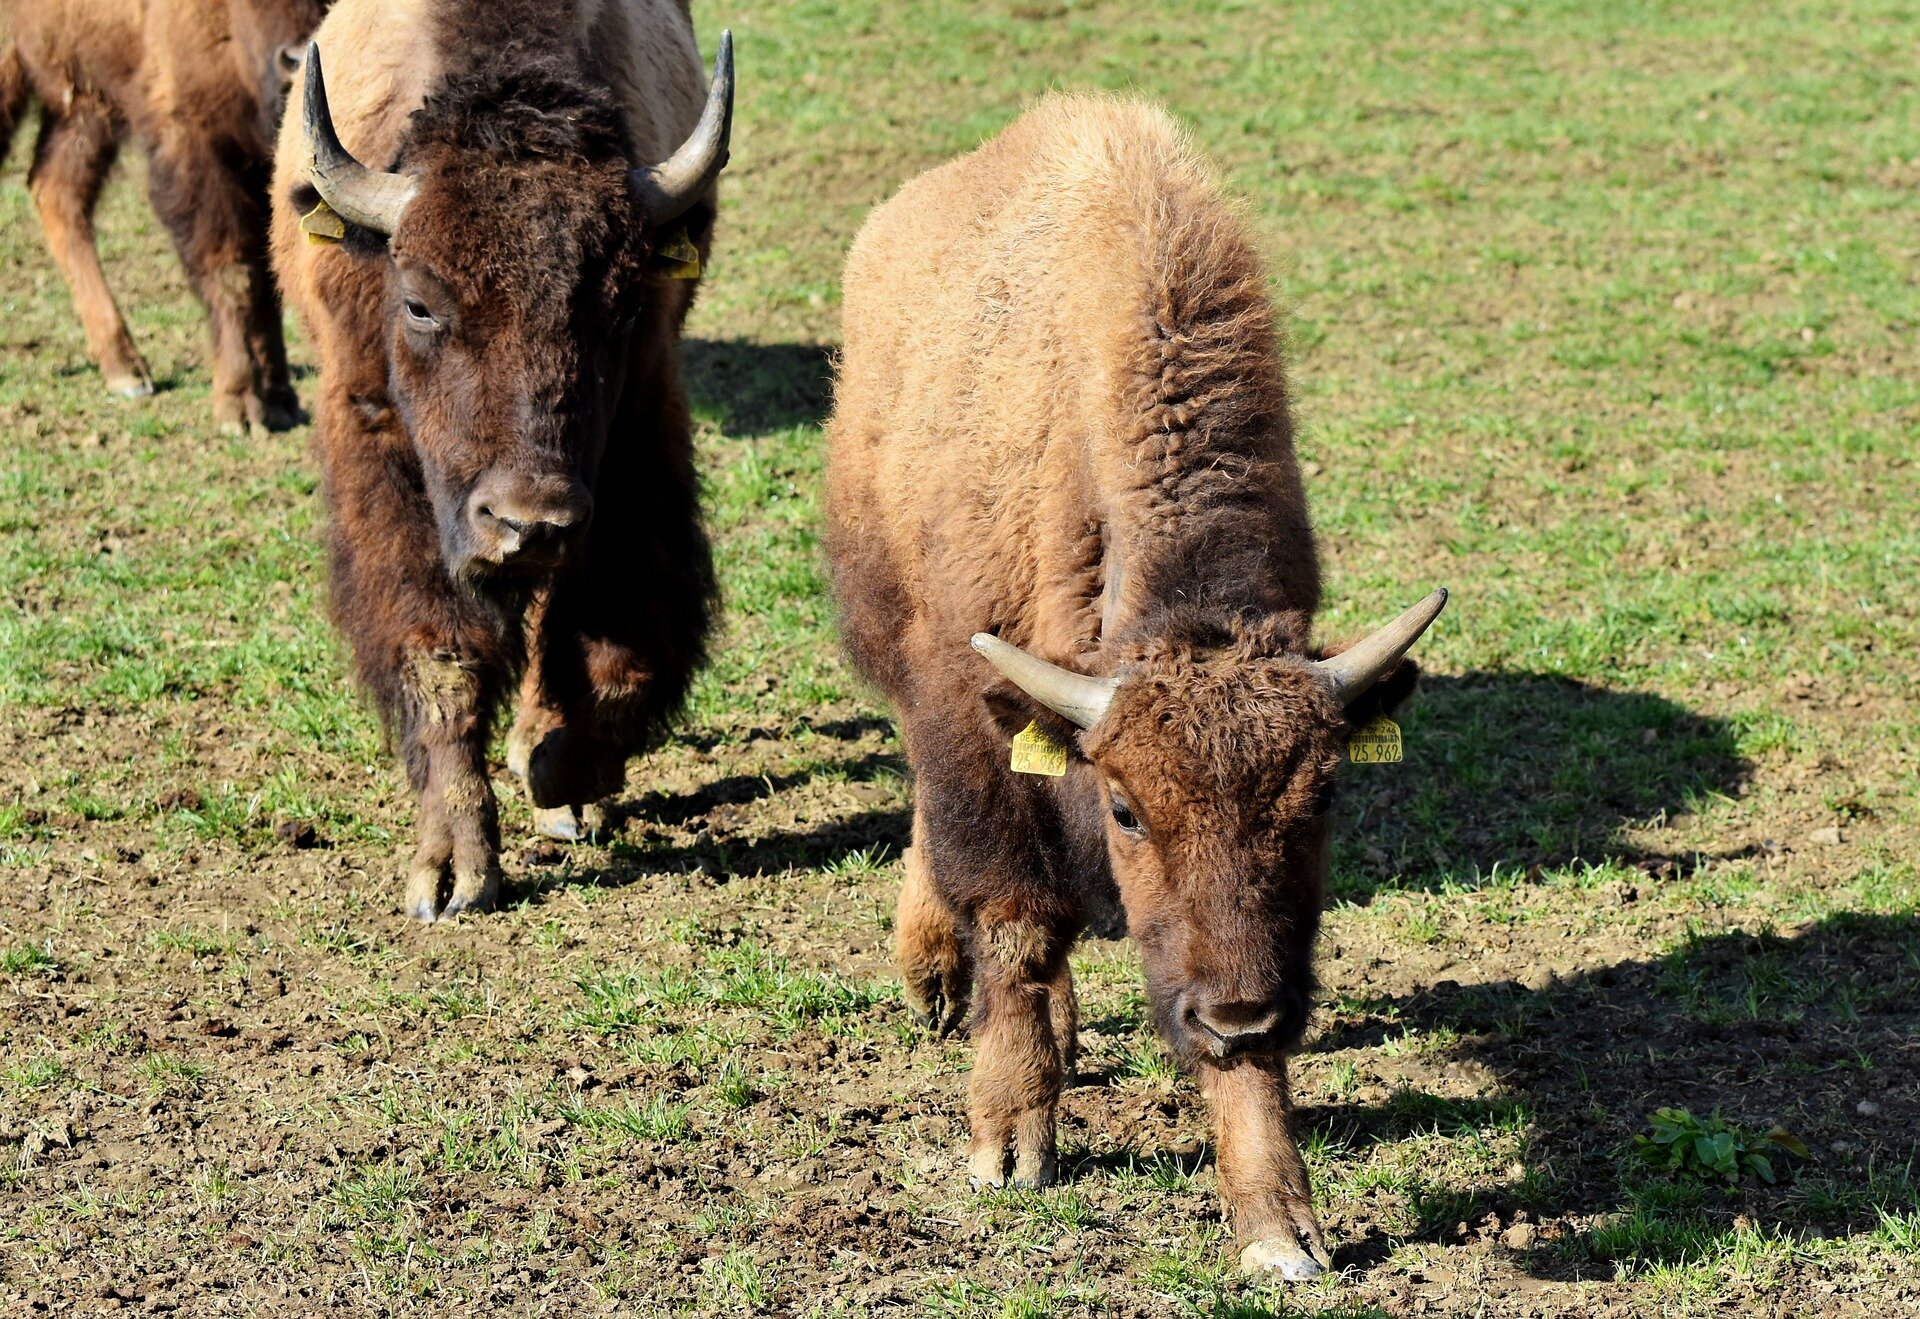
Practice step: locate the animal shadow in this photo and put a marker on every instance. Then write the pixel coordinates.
(713, 830)
(749, 388)
(1522, 770)
(1796, 1030)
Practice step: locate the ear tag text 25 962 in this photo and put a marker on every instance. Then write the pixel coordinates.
(1036, 752)
(1377, 743)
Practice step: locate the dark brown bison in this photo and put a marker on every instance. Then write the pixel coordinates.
(1061, 432)
(200, 85)
(486, 187)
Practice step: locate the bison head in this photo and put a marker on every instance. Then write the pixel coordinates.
(1216, 769)
(515, 237)
(269, 38)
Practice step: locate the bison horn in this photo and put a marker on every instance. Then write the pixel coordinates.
(1357, 668)
(676, 183)
(372, 199)
(1073, 696)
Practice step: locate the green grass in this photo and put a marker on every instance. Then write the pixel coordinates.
(23, 958)
(1602, 316)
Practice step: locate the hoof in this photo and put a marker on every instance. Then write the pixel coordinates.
(281, 412)
(937, 1011)
(422, 912)
(987, 1170)
(561, 823)
(1281, 1255)
(130, 389)
(457, 905)
(1038, 1180)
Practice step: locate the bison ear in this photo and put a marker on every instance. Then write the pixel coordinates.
(1391, 691)
(1011, 710)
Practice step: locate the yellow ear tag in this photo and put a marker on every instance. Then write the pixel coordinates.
(1376, 744)
(677, 255)
(1036, 752)
(323, 225)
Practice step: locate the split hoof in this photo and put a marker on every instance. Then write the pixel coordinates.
(987, 1170)
(1282, 1255)
(560, 823)
(477, 904)
(936, 1002)
(1037, 1179)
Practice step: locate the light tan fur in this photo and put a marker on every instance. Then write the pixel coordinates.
(978, 248)
(196, 83)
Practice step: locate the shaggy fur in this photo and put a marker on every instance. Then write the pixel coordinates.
(200, 85)
(1061, 418)
(556, 370)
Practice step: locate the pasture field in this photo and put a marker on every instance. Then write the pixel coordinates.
(1603, 316)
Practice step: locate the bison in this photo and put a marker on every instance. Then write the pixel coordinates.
(1061, 433)
(485, 215)
(200, 85)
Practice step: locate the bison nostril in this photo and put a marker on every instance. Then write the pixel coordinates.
(1230, 1028)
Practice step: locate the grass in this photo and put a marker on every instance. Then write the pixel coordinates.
(1600, 315)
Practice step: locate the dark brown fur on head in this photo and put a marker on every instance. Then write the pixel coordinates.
(527, 340)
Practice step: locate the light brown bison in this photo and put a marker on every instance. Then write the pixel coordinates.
(1061, 431)
(200, 85)
(501, 424)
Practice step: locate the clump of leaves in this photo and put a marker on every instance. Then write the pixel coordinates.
(1683, 1146)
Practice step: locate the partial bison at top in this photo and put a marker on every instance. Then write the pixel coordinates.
(473, 212)
(1069, 538)
(200, 85)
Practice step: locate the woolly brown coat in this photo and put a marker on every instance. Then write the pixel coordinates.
(199, 84)
(1061, 419)
(558, 370)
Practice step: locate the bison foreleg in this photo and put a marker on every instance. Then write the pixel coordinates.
(1262, 1177)
(445, 747)
(1017, 1073)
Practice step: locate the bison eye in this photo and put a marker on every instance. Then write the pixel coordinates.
(419, 316)
(1124, 817)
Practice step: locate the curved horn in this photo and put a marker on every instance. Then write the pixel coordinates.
(372, 199)
(676, 183)
(1073, 696)
(1354, 670)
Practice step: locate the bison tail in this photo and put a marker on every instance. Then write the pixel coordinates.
(13, 95)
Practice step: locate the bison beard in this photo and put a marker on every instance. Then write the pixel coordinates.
(1061, 431)
(207, 125)
(503, 432)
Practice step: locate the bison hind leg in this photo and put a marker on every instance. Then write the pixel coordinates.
(935, 974)
(76, 149)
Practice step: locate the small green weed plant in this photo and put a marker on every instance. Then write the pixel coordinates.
(1687, 1148)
